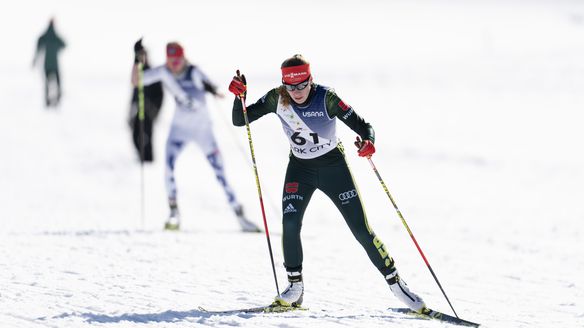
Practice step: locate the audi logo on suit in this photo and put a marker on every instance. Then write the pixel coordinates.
(348, 195)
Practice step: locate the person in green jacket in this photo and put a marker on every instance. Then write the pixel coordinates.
(50, 44)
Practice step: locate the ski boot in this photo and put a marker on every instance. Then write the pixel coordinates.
(173, 222)
(246, 225)
(400, 289)
(294, 293)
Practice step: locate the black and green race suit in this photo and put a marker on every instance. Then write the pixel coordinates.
(310, 129)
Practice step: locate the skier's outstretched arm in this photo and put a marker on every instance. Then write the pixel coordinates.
(267, 104)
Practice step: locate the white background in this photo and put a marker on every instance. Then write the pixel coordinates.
(477, 106)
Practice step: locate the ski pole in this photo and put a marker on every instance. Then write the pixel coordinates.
(257, 178)
(241, 149)
(141, 136)
(410, 232)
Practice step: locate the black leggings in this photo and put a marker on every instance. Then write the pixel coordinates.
(52, 98)
(330, 174)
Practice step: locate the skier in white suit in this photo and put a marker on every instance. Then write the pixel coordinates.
(191, 123)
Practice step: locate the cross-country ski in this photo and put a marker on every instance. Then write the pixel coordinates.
(272, 308)
(436, 315)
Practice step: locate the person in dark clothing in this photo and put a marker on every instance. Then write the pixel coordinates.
(308, 113)
(50, 44)
(153, 97)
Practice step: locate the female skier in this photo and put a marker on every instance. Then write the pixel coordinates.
(308, 113)
(191, 123)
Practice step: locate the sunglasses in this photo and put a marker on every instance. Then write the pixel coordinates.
(299, 86)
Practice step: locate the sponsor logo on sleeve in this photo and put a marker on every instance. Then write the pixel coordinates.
(344, 106)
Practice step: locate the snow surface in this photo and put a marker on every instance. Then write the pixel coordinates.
(478, 109)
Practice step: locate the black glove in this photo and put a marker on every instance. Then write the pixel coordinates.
(138, 51)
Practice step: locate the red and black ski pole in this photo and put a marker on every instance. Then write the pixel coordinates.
(257, 178)
(409, 230)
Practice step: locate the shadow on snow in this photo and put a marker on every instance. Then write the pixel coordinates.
(166, 316)
(177, 316)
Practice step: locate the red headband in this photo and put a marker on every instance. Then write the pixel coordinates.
(295, 74)
(174, 51)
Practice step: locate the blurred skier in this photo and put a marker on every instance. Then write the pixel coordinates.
(153, 97)
(308, 113)
(191, 123)
(50, 44)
